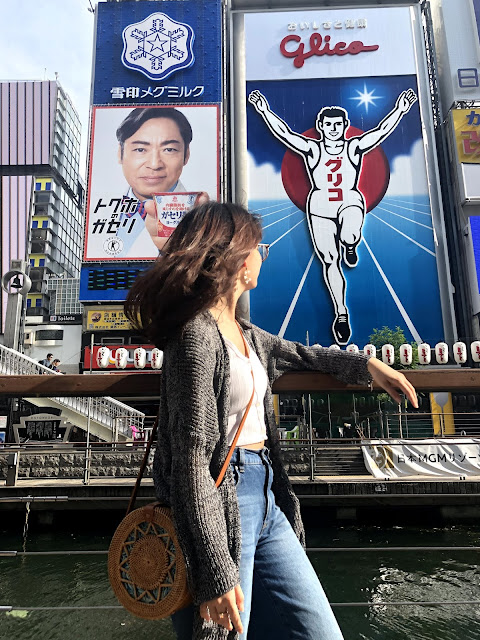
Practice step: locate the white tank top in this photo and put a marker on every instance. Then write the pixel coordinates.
(254, 429)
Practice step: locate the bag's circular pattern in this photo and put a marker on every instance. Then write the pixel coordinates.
(146, 566)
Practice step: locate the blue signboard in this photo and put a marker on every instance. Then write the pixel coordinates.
(158, 53)
(475, 226)
(476, 8)
(108, 284)
(337, 171)
(158, 79)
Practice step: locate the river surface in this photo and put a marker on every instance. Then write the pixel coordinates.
(360, 576)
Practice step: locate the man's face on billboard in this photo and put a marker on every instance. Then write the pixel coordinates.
(153, 157)
(332, 128)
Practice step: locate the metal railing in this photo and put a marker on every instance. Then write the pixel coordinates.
(104, 410)
(314, 459)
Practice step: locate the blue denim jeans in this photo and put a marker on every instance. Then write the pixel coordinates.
(283, 596)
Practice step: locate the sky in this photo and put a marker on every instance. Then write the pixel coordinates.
(44, 37)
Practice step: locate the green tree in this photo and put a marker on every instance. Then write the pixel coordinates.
(395, 337)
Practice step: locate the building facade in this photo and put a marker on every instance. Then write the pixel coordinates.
(41, 189)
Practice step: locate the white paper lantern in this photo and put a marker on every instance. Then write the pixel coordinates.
(406, 354)
(157, 359)
(388, 354)
(352, 348)
(460, 352)
(475, 349)
(370, 350)
(103, 357)
(441, 352)
(334, 346)
(424, 353)
(139, 358)
(121, 358)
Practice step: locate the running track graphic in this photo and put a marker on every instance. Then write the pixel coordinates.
(394, 284)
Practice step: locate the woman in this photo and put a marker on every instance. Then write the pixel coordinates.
(243, 542)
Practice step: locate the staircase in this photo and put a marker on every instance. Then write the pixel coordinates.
(109, 418)
(340, 461)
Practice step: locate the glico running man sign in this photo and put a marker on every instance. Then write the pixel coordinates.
(337, 169)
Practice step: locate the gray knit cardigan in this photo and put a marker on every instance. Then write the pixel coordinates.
(192, 446)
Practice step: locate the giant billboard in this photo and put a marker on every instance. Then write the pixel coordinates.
(155, 128)
(337, 170)
(174, 149)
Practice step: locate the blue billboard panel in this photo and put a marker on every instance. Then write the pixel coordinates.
(158, 53)
(337, 170)
(107, 284)
(476, 9)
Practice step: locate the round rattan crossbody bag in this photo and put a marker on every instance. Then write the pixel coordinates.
(146, 566)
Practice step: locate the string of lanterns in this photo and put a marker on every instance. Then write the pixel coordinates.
(422, 354)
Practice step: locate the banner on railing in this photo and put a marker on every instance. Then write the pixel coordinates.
(433, 457)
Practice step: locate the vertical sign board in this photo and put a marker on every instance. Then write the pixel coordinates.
(337, 170)
(155, 126)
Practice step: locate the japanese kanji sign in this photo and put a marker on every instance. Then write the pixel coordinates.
(466, 123)
(143, 55)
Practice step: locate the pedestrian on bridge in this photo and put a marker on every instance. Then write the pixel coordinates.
(244, 541)
(46, 362)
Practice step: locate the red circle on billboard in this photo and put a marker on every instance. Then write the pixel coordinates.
(373, 182)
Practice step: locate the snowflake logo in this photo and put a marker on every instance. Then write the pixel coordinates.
(158, 46)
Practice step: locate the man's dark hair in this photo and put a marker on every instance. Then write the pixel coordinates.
(332, 112)
(139, 116)
(49, 355)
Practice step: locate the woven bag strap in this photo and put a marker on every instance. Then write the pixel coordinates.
(223, 470)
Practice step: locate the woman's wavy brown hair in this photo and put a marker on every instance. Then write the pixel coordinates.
(198, 266)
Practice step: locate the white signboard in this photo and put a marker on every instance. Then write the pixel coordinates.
(433, 457)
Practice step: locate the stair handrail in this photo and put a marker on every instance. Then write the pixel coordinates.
(17, 363)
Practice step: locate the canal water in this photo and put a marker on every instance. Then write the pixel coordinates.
(359, 576)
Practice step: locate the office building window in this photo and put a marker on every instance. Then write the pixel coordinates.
(35, 224)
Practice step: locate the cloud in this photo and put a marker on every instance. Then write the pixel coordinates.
(264, 183)
(408, 173)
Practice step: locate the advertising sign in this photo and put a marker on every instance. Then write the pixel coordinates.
(155, 128)
(69, 318)
(466, 123)
(167, 56)
(337, 170)
(107, 319)
(130, 361)
(135, 153)
(435, 457)
(108, 284)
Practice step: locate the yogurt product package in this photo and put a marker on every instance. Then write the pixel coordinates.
(171, 207)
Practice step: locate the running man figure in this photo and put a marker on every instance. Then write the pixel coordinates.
(335, 206)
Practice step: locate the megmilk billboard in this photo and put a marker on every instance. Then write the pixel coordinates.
(337, 170)
(155, 128)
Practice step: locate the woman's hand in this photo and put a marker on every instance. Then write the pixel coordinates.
(392, 381)
(225, 610)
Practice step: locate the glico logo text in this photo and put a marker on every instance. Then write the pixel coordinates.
(320, 46)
